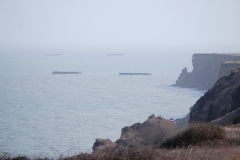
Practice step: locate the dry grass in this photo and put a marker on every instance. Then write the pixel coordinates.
(233, 132)
(225, 147)
(194, 134)
(6, 156)
(194, 153)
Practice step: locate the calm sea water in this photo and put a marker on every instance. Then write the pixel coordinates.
(46, 114)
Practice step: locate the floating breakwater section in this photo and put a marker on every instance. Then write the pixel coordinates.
(57, 72)
(147, 74)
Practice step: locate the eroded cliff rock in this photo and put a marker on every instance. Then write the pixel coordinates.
(151, 132)
(148, 133)
(227, 66)
(228, 119)
(222, 98)
(205, 71)
(103, 144)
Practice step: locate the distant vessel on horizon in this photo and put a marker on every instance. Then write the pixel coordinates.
(53, 54)
(57, 72)
(114, 54)
(147, 74)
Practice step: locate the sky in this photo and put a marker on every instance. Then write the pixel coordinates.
(119, 22)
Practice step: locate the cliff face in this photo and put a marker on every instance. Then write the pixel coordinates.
(151, 132)
(228, 119)
(227, 67)
(148, 133)
(205, 71)
(222, 98)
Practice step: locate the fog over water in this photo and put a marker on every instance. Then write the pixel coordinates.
(42, 113)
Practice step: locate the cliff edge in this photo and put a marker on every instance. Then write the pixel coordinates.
(205, 73)
(221, 99)
(227, 66)
(149, 133)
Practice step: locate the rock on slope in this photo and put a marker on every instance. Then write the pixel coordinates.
(103, 144)
(228, 119)
(227, 66)
(222, 98)
(151, 132)
(205, 71)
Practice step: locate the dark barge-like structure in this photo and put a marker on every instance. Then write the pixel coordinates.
(147, 74)
(57, 72)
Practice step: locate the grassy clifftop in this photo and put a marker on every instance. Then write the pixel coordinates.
(197, 141)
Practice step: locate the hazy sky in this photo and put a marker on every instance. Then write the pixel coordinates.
(82, 22)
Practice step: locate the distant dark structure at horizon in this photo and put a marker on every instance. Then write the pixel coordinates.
(146, 74)
(53, 54)
(113, 54)
(57, 72)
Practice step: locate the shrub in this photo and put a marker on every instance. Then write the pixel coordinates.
(193, 134)
(236, 120)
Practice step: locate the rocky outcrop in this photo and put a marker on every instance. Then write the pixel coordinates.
(148, 133)
(205, 71)
(103, 144)
(222, 98)
(151, 132)
(227, 67)
(228, 119)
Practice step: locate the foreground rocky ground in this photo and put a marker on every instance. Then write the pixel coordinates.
(149, 133)
(197, 141)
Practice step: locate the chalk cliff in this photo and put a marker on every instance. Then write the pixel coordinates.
(227, 66)
(221, 99)
(205, 73)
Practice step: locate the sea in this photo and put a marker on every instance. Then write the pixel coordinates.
(45, 114)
